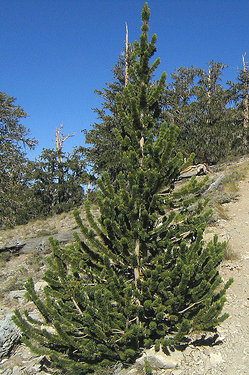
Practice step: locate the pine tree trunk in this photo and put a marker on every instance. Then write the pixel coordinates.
(137, 247)
(245, 105)
(136, 270)
(126, 57)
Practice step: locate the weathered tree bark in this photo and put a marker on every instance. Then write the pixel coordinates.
(215, 185)
(136, 270)
(245, 104)
(126, 56)
(59, 140)
(209, 89)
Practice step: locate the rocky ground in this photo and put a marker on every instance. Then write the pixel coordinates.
(22, 254)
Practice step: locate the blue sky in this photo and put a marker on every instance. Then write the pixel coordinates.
(54, 53)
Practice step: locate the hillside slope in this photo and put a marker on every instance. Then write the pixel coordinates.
(229, 355)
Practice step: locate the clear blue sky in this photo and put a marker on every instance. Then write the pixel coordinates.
(54, 53)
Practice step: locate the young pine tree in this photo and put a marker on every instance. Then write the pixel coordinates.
(141, 273)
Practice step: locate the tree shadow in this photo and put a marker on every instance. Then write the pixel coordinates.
(203, 340)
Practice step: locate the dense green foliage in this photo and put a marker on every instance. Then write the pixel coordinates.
(141, 273)
(209, 114)
(58, 180)
(198, 103)
(31, 189)
(15, 201)
(101, 135)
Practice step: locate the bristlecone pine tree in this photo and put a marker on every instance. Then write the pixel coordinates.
(16, 203)
(141, 273)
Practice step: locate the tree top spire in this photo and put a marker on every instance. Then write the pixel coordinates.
(145, 18)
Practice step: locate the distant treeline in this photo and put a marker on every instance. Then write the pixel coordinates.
(212, 116)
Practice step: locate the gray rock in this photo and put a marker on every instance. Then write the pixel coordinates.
(13, 246)
(158, 360)
(16, 293)
(65, 237)
(39, 244)
(9, 336)
(42, 243)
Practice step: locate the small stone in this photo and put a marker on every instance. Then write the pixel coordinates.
(40, 285)
(215, 359)
(157, 360)
(17, 371)
(35, 315)
(16, 293)
(161, 362)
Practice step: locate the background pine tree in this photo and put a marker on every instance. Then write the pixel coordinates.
(213, 134)
(239, 96)
(141, 274)
(199, 104)
(16, 205)
(58, 181)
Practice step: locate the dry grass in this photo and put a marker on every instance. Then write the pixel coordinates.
(36, 261)
(229, 253)
(39, 228)
(15, 282)
(228, 190)
(220, 210)
(4, 257)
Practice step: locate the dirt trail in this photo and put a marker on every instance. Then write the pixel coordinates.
(235, 349)
(231, 357)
